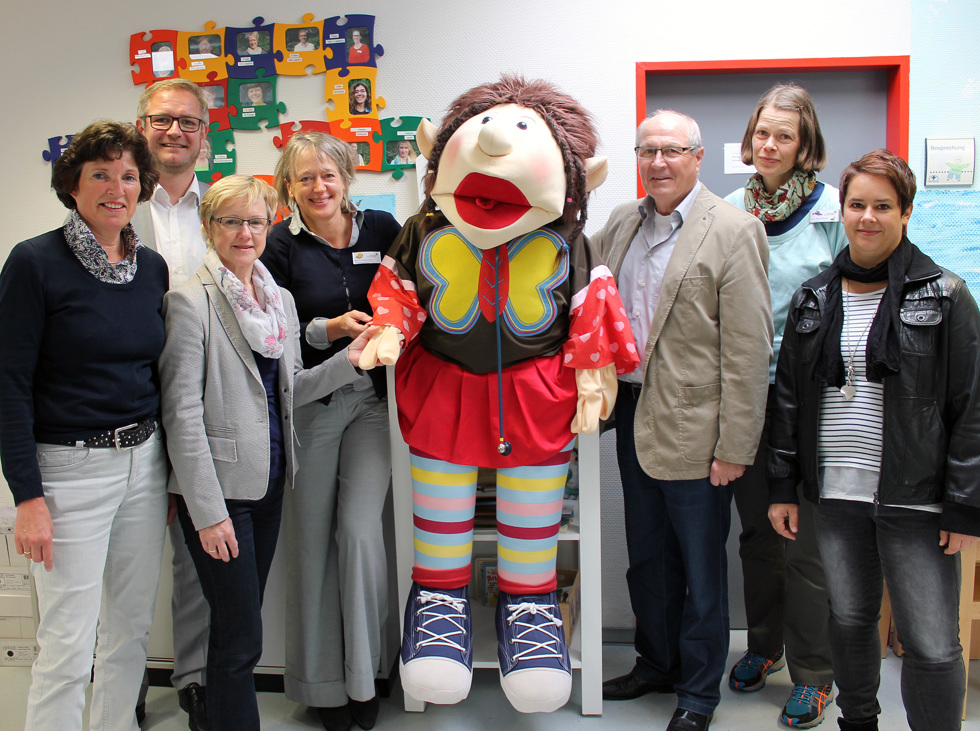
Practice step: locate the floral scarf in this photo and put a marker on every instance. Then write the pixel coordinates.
(264, 329)
(783, 203)
(92, 256)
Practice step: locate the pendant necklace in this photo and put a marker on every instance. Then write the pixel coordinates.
(848, 390)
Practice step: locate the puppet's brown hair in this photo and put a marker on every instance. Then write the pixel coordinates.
(570, 124)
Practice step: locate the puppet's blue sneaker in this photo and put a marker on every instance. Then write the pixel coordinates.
(437, 645)
(535, 671)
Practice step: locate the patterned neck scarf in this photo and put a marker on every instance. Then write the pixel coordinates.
(92, 256)
(263, 328)
(780, 205)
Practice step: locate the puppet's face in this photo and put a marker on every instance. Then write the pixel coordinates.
(501, 175)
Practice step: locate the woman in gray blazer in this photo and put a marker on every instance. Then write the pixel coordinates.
(231, 376)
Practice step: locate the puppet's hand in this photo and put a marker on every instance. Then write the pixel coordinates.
(596, 397)
(384, 348)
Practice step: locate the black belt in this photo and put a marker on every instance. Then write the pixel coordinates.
(125, 437)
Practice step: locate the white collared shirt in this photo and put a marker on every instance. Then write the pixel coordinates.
(641, 277)
(177, 229)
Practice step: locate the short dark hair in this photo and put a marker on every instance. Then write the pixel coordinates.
(103, 140)
(884, 164)
(812, 155)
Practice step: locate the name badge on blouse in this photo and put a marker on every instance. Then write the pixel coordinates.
(831, 216)
(367, 257)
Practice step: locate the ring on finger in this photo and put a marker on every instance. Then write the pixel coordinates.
(27, 554)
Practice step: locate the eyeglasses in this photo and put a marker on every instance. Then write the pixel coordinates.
(233, 223)
(669, 153)
(165, 122)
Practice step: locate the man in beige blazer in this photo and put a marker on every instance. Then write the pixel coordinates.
(692, 274)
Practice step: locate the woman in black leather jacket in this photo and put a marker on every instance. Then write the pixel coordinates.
(877, 414)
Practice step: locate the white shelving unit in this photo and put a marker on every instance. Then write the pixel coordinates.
(586, 648)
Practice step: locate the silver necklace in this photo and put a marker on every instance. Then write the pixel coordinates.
(848, 390)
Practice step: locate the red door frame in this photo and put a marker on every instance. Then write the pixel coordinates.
(897, 125)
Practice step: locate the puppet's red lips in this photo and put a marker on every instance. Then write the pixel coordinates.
(491, 203)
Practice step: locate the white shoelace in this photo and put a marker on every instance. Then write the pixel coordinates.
(548, 648)
(433, 609)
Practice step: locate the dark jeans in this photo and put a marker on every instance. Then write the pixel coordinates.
(234, 592)
(678, 573)
(865, 543)
(783, 583)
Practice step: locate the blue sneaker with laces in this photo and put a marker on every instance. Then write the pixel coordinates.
(806, 705)
(749, 673)
(437, 645)
(535, 671)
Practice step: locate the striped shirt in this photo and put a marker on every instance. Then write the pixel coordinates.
(850, 434)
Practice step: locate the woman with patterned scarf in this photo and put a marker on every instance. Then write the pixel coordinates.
(783, 583)
(231, 376)
(80, 440)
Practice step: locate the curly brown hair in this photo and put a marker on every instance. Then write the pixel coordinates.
(570, 124)
(103, 140)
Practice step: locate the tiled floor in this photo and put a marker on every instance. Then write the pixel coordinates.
(487, 709)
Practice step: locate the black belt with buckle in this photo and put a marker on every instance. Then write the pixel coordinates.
(125, 437)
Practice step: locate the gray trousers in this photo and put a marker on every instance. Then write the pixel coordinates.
(783, 581)
(337, 575)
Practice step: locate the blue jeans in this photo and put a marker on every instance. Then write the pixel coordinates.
(676, 532)
(234, 592)
(862, 543)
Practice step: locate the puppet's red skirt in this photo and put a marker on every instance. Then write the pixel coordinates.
(452, 414)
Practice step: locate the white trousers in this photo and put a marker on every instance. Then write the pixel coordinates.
(109, 513)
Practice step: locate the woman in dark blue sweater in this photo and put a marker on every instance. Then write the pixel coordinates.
(81, 447)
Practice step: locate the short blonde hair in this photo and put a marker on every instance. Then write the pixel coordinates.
(235, 188)
(324, 146)
(172, 85)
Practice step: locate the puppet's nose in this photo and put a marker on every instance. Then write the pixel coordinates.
(495, 139)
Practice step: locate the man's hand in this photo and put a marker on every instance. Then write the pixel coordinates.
(724, 472)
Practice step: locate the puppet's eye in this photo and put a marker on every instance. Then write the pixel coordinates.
(522, 125)
(485, 120)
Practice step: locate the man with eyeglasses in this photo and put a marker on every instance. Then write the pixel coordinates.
(173, 116)
(692, 275)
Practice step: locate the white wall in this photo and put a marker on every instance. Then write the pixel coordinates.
(65, 65)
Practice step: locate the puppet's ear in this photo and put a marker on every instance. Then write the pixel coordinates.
(596, 170)
(425, 137)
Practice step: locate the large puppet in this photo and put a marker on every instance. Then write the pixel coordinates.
(514, 333)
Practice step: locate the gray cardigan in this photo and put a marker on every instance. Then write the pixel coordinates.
(215, 408)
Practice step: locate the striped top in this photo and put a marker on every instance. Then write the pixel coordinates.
(850, 433)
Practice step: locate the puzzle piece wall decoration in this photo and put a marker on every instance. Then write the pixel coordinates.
(201, 53)
(56, 148)
(153, 55)
(351, 37)
(218, 157)
(281, 210)
(254, 100)
(216, 94)
(300, 46)
(366, 134)
(354, 95)
(250, 50)
(400, 147)
(288, 129)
